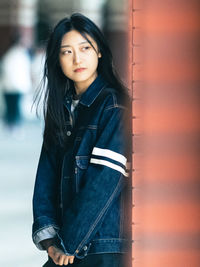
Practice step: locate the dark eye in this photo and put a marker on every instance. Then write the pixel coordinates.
(65, 52)
(86, 47)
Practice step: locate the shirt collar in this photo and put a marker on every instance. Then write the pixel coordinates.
(94, 89)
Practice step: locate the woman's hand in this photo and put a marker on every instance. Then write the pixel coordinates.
(59, 257)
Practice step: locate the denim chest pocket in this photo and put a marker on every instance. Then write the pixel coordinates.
(85, 132)
(81, 165)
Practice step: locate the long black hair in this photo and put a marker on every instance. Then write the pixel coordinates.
(56, 83)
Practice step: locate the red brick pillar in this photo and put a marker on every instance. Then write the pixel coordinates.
(164, 76)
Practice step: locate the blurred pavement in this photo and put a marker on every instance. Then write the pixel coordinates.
(18, 162)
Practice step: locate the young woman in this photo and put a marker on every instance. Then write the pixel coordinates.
(82, 190)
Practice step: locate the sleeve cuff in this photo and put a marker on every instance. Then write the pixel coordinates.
(43, 234)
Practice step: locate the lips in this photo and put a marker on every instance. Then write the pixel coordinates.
(80, 69)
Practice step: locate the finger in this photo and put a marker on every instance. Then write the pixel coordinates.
(71, 259)
(66, 260)
(57, 257)
(61, 259)
(54, 258)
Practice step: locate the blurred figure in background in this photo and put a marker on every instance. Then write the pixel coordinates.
(37, 66)
(15, 80)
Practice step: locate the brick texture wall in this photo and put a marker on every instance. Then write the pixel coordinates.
(165, 77)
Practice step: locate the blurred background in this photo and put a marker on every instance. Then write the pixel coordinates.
(24, 28)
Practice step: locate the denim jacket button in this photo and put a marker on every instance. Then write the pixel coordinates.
(85, 248)
(68, 133)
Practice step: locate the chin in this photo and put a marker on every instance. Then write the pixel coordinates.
(81, 78)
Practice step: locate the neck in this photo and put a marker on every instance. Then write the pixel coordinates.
(81, 87)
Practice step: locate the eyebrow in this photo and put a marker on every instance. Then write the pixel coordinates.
(79, 44)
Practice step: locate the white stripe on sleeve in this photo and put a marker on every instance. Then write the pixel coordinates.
(109, 164)
(109, 154)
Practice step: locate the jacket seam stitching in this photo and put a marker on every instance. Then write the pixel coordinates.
(115, 106)
(94, 127)
(117, 239)
(38, 218)
(61, 186)
(96, 96)
(121, 214)
(95, 223)
(114, 100)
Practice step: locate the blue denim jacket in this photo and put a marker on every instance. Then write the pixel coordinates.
(83, 195)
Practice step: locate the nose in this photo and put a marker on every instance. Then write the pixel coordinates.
(76, 58)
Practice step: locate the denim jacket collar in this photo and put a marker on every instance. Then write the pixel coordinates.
(94, 89)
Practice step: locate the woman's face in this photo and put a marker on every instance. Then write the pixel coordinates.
(76, 52)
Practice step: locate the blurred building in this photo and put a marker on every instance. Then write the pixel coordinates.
(34, 19)
(17, 14)
(109, 15)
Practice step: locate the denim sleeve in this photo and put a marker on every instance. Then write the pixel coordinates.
(48, 232)
(106, 175)
(45, 197)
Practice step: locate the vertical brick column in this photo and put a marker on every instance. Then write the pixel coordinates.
(164, 77)
(136, 86)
